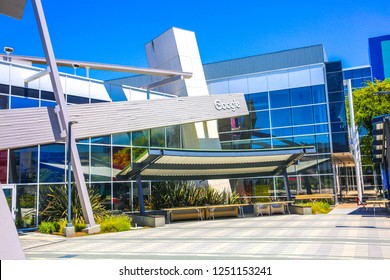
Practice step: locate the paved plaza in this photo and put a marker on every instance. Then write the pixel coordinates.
(345, 233)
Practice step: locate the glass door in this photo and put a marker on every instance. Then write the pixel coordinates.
(10, 195)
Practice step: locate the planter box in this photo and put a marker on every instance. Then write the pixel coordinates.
(301, 210)
(148, 220)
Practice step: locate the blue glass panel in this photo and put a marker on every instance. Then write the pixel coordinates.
(283, 142)
(340, 142)
(320, 113)
(339, 127)
(281, 117)
(260, 119)
(45, 103)
(71, 99)
(26, 92)
(321, 128)
(121, 139)
(366, 72)
(141, 138)
(304, 140)
(22, 102)
(116, 93)
(23, 165)
(260, 100)
(265, 133)
(261, 144)
(318, 93)
(322, 143)
(280, 98)
(301, 96)
(337, 112)
(302, 115)
(52, 163)
(48, 95)
(3, 102)
(85, 141)
(280, 132)
(347, 74)
(4, 88)
(335, 81)
(336, 96)
(301, 130)
(357, 73)
(101, 140)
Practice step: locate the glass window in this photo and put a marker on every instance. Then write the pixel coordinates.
(347, 74)
(322, 143)
(141, 138)
(318, 93)
(300, 96)
(366, 72)
(121, 139)
(357, 83)
(320, 113)
(280, 98)
(333, 66)
(26, 92)
(23, 102)
(337, 112)
(72, 99)
(340, 142)
(336, 96)
(23, 165)
(4, 89)
(280, 132)
(121, 160)
(84, 158)
(281, 117)
(219, 87)
(116, 93)
(237, 85)
(283, 142)
(52, 163)
(264, 133)
(100, 163)
(3, 102)
(278, 80)
(138, 153)
(157, 137)
(26, 206)
(47, 103)
(122, 197)
(48, 95)
(317, 75)
(257, 83)
(324, 165)
(335, 81)
(339, 127)
(224, 125)
(173, 136)
(304, 140)
(260, 100)
(301, 130)
(357, 73)
(302, 115)
(299, 77)
(261, 144)
(259, 119)
(3, 167)
(307, 165)
(321, 128)
(101, 140)
(104, 189)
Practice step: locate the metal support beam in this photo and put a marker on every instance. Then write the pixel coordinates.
(163, 82)
(285, 180)
(140, 194)
(64, 117)
(37, 76)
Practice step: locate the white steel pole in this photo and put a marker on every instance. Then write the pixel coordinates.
(356, 150)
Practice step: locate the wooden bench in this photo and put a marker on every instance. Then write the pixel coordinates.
(314, 197)
(228, 210)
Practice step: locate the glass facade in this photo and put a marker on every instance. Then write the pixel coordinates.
(291, 109)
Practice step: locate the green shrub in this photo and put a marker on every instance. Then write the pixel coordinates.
(318, 207)
(115, 224)
(48, 227)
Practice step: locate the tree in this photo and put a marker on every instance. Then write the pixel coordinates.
(368, 105)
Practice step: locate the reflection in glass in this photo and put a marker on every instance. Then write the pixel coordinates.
(302, 130)
(302, 115)
(3, 102)
(279, 98)
(23, 102)
(121, 139)
(283, 142)
(320, 113)
(281, 117)
(101, 140)
(141, 138)
(122, 197)
(322, 143)
(84, 158)
(52, 163)
(318, 93)
(104, 189)
(23, 165)
(173, 136)
(259, 119)
(3, 167)
(157, 137)
(280, 132)
(100, 163)
(300, 96)
(121, 161)
(260, 100)
(26, 201)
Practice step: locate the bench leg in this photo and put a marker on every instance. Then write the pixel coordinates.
(241, 211)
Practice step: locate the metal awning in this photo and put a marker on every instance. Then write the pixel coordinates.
(169, 164)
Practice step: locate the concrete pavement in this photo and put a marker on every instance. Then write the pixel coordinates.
(345, 233)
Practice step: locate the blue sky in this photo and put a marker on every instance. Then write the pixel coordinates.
(92, 30)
